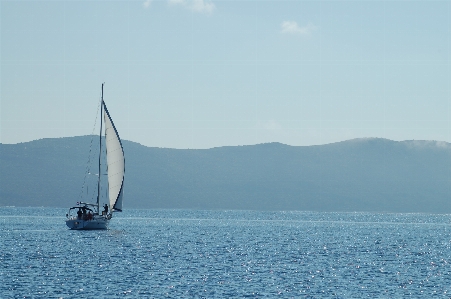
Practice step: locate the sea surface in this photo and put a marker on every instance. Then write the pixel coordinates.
(226, 254)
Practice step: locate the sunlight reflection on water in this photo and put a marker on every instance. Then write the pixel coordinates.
(225, 254)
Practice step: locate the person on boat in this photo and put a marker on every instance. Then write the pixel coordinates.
(84, 213)
(89, 215)
(79, 213)
(105, 211)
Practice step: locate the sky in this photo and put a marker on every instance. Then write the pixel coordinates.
(203, 74)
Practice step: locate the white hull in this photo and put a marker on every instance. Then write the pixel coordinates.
(98, 222)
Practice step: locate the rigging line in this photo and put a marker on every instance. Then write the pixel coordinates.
(88, 164)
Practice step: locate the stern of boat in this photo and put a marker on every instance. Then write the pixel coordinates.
(99, 222)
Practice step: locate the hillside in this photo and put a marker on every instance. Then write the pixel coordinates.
(356, 175)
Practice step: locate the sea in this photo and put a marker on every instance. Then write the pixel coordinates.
(226, 254)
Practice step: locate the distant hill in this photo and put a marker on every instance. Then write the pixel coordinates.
(357, 175)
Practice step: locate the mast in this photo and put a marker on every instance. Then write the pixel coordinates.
(100, 153)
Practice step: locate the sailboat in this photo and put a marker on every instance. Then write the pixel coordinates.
(87, 216)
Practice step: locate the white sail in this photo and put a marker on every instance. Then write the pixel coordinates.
(115, 162)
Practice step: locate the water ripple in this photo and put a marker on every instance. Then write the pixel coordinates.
(226, 254)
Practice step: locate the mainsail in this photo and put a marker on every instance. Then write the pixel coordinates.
(115, 162)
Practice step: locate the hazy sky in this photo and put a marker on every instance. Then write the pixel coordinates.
(201, 74)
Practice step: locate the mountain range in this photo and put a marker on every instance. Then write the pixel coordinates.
(369, 174)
